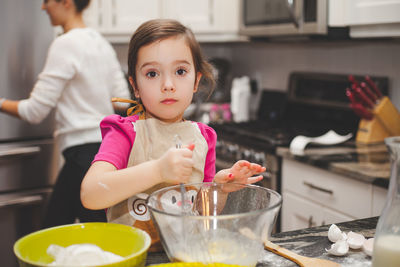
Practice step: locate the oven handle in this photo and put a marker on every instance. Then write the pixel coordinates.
(22, 201)
(19, 151)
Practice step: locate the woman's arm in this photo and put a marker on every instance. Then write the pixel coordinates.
(10, 107)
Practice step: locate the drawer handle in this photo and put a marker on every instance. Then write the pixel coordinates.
(25, 200)
(19, 151)
(310, 185)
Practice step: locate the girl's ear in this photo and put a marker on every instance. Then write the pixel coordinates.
(135, 91)
(196, 84)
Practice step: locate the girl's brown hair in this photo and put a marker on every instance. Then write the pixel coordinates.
(160, 29)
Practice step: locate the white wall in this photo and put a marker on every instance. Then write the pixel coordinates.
(271, 62)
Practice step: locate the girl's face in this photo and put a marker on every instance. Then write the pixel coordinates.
(165, 78)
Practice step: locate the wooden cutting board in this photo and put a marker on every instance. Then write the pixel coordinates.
(300, 260)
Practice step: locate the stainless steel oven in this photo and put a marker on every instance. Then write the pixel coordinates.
(27, 153)
(283, 17)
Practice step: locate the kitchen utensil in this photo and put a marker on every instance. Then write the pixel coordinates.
(365, 100)
(357, 107)
(361, 111)
(373, 86)
(353, 80)
(351, 96)
(126, 241)
(178, 144)
(228, 225)
(300, 260)
(299, 143)
(368, 92)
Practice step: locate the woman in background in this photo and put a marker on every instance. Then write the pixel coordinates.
(80, 77)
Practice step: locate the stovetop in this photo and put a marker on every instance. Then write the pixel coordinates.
(314, 104)
(271, 135)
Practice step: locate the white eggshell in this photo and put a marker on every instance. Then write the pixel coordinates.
(340, 248)
(355, 240)
(335, 234)
(368, 246)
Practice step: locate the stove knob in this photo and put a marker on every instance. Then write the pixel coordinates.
(259, 158)
(233, 152)
(233, 148)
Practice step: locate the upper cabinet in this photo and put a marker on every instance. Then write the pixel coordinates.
(210, 20)
(118, 19)
(372, 18)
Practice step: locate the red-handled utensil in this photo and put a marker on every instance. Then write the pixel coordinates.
(364, 98)
(361, 111)
(373, 86)
(368, 92)
(353, 80)
(351, 96)
(357, 107)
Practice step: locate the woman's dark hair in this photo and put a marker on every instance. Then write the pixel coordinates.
(81, 5)
(160, 29)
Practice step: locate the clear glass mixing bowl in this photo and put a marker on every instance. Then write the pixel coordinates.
(215, 223)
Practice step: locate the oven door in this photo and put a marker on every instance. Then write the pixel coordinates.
(20, 214)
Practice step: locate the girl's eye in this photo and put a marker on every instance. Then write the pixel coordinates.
(151, 74)
(181, 72)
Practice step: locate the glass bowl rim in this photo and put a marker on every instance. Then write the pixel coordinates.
(220, 217)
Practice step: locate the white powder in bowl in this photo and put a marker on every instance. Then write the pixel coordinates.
(81, 255)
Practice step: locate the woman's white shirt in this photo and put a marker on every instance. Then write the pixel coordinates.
(81, 75)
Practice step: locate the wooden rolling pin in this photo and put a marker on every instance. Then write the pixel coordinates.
(300, 260)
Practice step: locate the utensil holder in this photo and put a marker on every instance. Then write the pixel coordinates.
(386, 122)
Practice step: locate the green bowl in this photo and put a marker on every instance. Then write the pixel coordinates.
(128, 242)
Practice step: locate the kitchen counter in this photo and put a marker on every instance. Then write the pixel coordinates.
(368, 163)
(309, 242)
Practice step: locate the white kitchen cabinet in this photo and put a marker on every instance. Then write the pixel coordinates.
(210, 20)
(118, 19)
(313, 197)
(310, 214)
(373, 18)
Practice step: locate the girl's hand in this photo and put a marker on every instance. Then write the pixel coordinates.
(176, 165)
(241, 172)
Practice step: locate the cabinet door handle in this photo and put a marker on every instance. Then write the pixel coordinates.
(100, 17)
(211, 11)
(312, 186)
(114, 15)
(310, 222)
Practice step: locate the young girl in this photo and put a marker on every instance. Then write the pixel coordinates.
(138, 154)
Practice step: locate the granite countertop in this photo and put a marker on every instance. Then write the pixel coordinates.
(368, 163)
(310, 242)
